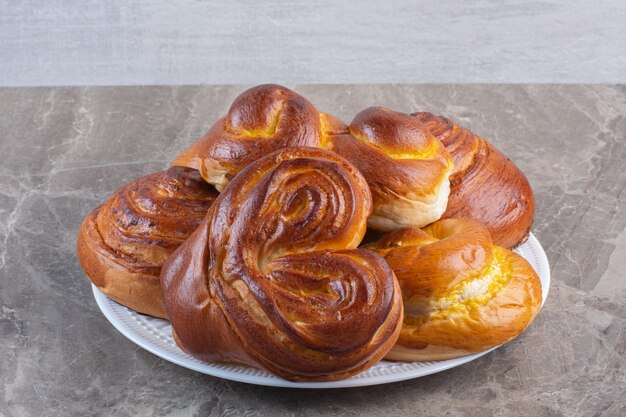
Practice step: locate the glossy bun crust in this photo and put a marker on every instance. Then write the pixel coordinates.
(406, 167)
(273, 278)
(462, 294)
(123, 243)
(485, 185)
(261, 120)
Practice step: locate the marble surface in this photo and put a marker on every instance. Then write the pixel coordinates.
(140, 42)
(64, 150)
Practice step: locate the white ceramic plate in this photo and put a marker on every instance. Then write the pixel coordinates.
(155, 336)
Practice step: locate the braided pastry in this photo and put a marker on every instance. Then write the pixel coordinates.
(273, 278)
(461, 293)
(123, 243)
(406, 167)
(261, 120)
(485, 184)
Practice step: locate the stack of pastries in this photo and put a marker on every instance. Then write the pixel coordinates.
(252, 243)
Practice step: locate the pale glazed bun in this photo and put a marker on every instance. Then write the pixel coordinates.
(485, 185)
(462, 294)
(273, 278)
(123, 243)
(406, 167)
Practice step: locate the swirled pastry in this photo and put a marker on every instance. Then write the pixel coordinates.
(462, 294)
(406, 167)
(485, 185)
(261, 120)
(273, 278)
(123, 243)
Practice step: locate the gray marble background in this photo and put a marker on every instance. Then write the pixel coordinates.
(65, 150)
(142, 42)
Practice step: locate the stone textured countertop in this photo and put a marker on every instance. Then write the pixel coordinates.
(65, 150)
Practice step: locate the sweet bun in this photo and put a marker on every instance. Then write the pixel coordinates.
(123, 243)
(406, 167)
(485, 184)
(330, 247)
(261, 120)
(272, 278)
(462, 294)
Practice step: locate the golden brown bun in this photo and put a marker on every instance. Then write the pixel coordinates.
(462, 294)
(485, 185)
(406, 167)
(261, 120)
(273, 278)
(123, 243)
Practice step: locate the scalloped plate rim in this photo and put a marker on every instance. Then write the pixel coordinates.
(119, 316)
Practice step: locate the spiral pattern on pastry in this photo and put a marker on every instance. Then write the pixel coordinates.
(261, 120)
(406, 167)
(461, 294)
(273, 278)
(485, 185)
(123, 243)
